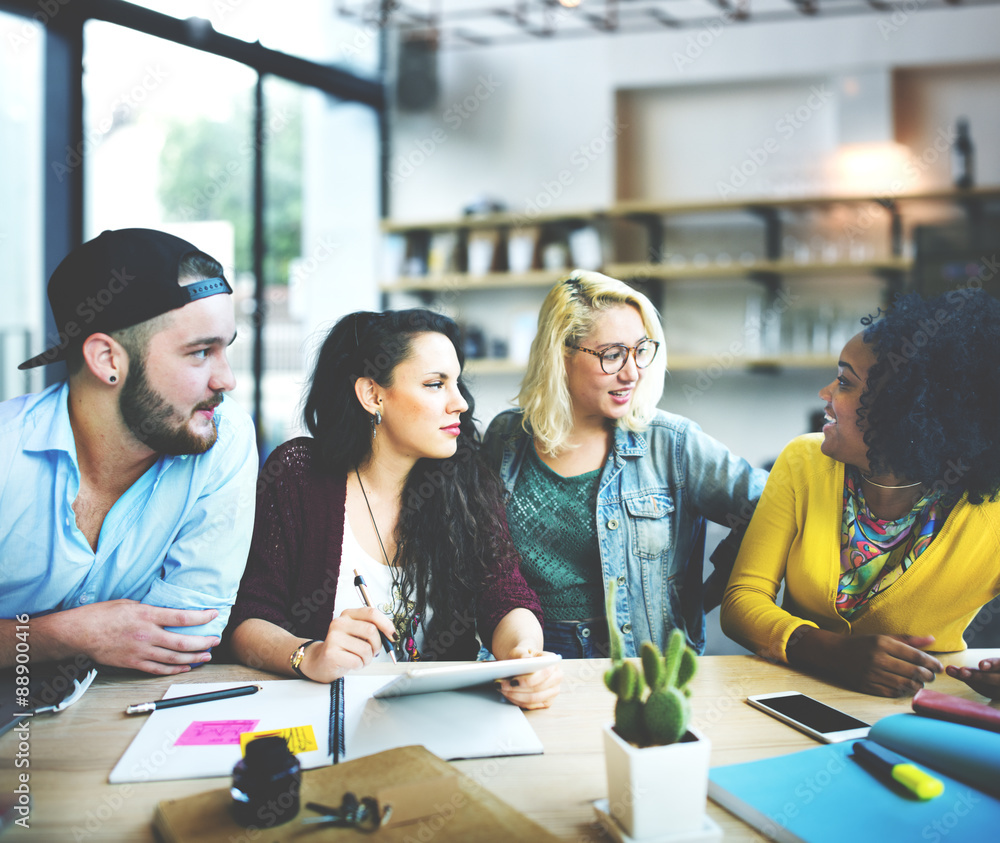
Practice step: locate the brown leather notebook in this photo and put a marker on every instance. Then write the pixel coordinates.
(467, 811)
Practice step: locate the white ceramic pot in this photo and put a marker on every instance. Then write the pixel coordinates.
(657, 790)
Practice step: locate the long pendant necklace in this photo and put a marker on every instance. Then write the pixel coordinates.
(372, 516)
(399, 620)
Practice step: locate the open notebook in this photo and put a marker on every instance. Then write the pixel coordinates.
(327, 723)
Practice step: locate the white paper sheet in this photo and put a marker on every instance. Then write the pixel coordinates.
(472, 723)
(154, 755)
(475, 723)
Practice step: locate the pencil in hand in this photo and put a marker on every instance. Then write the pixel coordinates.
(359, 583)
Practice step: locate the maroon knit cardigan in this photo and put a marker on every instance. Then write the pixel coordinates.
(294, 562)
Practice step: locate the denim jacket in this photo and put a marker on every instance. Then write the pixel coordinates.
(656, 490)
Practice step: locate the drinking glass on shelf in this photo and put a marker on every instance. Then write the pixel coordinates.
(770, 332)
(845, 325)
(752, 325)
(860, 250)
(800, 331)
(522, 333)
(795, 249)
(416, 266)
(821, 330)
(555, 256)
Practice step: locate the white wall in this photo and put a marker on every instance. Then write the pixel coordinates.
(547, 107)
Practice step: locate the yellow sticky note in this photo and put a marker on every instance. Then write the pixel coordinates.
(298, 738)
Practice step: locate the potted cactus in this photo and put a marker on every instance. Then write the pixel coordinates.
(657, 762)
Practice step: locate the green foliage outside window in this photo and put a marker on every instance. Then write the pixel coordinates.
(206, 169)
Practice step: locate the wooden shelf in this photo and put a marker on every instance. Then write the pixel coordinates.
(462, 282)
(669, 272)
(650, 208)
(647, 208)
(504, 220)
(645, 234)
(694, 362)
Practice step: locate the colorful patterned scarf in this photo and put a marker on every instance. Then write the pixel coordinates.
(875, 553)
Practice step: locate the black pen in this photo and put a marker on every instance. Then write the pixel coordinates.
(359, 584)
(241, 691)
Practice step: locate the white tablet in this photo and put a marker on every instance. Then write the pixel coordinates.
(425, 679)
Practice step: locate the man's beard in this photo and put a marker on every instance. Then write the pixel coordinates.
(151, 419)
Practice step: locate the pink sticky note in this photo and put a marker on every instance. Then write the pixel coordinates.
(215, 732)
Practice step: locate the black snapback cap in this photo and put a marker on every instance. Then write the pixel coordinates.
(119, 279)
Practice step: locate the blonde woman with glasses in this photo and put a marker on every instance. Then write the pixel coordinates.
(603, 487)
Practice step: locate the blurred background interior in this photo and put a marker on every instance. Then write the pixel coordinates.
(767, 171)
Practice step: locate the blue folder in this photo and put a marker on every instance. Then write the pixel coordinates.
(822, 794)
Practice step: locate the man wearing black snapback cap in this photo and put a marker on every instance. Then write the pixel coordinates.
(127, 491)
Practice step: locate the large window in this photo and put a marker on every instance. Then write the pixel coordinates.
(249, 130)
(21, 316)
(170, 142)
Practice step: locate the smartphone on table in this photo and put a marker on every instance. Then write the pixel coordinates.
(809, 715)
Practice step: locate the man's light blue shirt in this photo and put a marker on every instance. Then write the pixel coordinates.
(178, 537)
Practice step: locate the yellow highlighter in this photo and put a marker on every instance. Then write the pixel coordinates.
(890, 767)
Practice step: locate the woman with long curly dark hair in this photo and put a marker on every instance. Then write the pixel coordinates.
(391, 484)
(885, 527)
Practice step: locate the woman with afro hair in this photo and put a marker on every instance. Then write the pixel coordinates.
(885, 527)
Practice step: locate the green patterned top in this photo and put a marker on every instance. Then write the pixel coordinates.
(552, 521)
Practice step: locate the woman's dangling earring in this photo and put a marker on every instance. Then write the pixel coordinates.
(376, 421)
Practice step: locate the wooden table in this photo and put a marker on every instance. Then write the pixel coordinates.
(72, 753)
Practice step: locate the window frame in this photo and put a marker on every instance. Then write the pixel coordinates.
(63, 193)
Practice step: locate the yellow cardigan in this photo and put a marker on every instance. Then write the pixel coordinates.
(939, 594)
